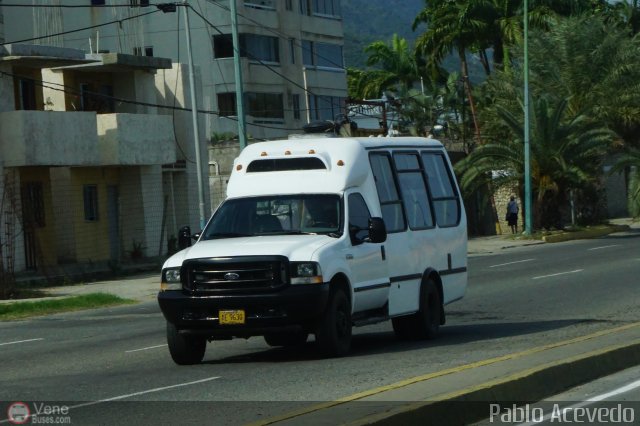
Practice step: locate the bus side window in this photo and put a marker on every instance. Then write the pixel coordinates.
(445, 197)
(358, 219)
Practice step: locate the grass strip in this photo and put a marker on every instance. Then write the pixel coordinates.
(18, 310)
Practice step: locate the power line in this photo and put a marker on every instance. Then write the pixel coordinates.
(71, 6)
(72, 91)
(118, 21)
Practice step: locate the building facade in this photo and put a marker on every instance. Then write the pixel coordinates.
(291, 53)
(94, 161)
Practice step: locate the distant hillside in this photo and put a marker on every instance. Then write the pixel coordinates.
(366, 21)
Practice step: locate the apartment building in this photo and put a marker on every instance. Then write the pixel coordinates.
(291, 52)
(94, 170)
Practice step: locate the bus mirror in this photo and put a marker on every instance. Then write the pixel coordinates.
(184, 237)
(377, 230)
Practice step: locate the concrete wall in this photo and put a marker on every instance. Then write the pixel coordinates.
(221, 156)
(30, 138)
(135, 139)
(7, 99)
(65, 236)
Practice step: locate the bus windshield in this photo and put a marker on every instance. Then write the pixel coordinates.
(277, 215)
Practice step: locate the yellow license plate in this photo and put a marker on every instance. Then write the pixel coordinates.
(232, 317)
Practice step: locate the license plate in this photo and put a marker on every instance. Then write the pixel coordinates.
(232, 317)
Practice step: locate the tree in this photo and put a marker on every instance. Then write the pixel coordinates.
(395, 69)
(452, 26)
(566, 152)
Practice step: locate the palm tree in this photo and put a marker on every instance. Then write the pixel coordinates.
(396, 69)
(452, 26)
(565, 154)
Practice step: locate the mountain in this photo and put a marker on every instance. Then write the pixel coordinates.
(366, 21)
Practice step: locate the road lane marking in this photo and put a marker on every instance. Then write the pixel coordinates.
(404, 383)
(144, 392)
(559, 273)
(590, 401)
(144, 349)
(21, 341)
(511, 263)
(604, 247)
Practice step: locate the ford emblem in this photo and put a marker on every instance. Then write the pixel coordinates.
(231, 276)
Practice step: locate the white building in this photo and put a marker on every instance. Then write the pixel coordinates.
(287, 46)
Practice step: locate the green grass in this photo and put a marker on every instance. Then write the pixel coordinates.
(18, 310)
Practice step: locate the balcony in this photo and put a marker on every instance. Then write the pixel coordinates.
(135, 139)
(48, 138)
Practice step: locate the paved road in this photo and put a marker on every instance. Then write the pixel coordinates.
(519, 299)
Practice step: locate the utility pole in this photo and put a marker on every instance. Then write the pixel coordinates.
(527, 159)
(194, 116)
(242, 137)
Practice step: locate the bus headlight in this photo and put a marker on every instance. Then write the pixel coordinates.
(171, 279)
(306, 273)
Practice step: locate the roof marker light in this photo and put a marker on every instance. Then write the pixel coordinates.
(287, 152)
(263, 154)
(312, 151)
(239, 167)
(340, 163)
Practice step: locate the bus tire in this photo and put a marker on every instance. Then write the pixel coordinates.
(185, 349)
(333, 332)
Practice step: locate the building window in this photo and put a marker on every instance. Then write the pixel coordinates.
(258, 105)
(139, 3)
(143, 51)
(97, 2)
(329, 8)
(322, 54)
(260, 4)
(292, 50)
(265, 105)
(227, 104)
(261, 48)
(288, 4)
(90, 195)
(325, 107)
(295, 101)
(27, 95)
(252, 46)
(97, 98)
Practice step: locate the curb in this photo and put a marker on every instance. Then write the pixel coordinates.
(586, 234)
(526, 386)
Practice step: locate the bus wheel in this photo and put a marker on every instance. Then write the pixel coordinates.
(333, 333)
(428, 317)
(185, 349)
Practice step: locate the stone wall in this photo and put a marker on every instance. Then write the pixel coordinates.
(501, 198)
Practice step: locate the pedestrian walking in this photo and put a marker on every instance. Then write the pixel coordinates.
(512, 214)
